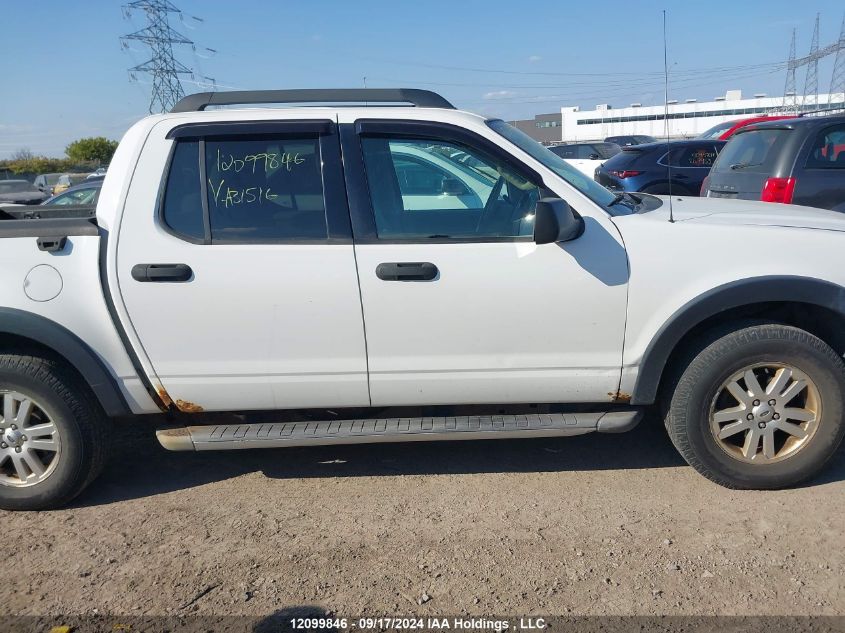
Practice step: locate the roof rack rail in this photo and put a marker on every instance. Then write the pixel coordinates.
(420, 98)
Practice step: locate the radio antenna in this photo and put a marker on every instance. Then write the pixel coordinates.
(666, 114)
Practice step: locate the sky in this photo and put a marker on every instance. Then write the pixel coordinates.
(64, 72)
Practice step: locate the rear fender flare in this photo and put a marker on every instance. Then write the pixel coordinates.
(63, 342)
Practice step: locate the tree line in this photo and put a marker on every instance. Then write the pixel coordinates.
(85, 154)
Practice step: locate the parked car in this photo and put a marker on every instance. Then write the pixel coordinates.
(794, 161)
(631, 139)
(20, 192)
(66, 181)
(585, 156)
(46, 182)
(646, 168)
(238, 257)
(86, 193)
(723, 131)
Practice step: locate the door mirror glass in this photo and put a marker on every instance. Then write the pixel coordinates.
(554, 221)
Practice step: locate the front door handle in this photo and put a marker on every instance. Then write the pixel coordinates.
(406, 271)
(162, 272)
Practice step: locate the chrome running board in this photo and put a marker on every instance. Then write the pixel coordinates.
(315, 433)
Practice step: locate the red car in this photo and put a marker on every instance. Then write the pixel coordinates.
(723, 131)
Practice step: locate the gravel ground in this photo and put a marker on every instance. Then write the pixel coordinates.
(586, 525)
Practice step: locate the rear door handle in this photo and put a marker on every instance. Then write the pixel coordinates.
(162, 272)
(406, 271)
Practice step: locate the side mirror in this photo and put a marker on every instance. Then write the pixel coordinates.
(554, 221)
(594, 157)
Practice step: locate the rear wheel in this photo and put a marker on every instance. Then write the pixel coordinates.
(760, 407)
(53, 434)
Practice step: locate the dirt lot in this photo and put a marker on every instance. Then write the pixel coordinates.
(587, 525)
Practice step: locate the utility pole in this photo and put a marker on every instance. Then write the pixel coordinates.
(162, 66)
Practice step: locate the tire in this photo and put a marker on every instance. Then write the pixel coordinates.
(76, 449)
(713, 392)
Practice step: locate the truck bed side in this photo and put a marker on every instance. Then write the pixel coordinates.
(51, 271)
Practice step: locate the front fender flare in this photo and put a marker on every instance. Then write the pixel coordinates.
(736, 294)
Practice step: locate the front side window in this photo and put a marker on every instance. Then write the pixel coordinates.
(828, 150)
(426, 188)
(255, 189)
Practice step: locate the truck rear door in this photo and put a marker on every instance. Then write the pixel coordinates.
(236, 267)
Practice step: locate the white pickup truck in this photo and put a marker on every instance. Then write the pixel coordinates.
(396, 273)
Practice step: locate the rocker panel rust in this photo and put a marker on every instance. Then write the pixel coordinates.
(181, 405)
(619, 396)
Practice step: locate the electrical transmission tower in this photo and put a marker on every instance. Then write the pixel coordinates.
(811, 61)
(811, 81)
(162, 66)
(837, 80)
(790, 102)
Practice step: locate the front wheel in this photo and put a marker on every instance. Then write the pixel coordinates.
(760, 407)
(53, 434)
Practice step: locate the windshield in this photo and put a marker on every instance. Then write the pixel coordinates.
(580, 181)
(717, 130)
(15, 186)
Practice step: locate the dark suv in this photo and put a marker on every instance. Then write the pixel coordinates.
(646, 167)
(797, 161)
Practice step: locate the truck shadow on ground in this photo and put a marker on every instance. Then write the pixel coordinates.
(140, 467)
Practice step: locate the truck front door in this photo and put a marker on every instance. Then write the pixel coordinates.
(460, 304)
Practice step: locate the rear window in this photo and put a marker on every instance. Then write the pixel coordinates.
(628, 156)
(262, 189)
(755, 151)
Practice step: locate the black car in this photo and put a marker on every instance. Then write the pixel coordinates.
(646, 167)
(794, 161)
(589, 151)
(20, 192)
(630, 139)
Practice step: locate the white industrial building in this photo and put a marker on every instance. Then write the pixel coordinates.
(686, 119)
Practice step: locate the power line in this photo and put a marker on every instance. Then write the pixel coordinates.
(627, 75)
